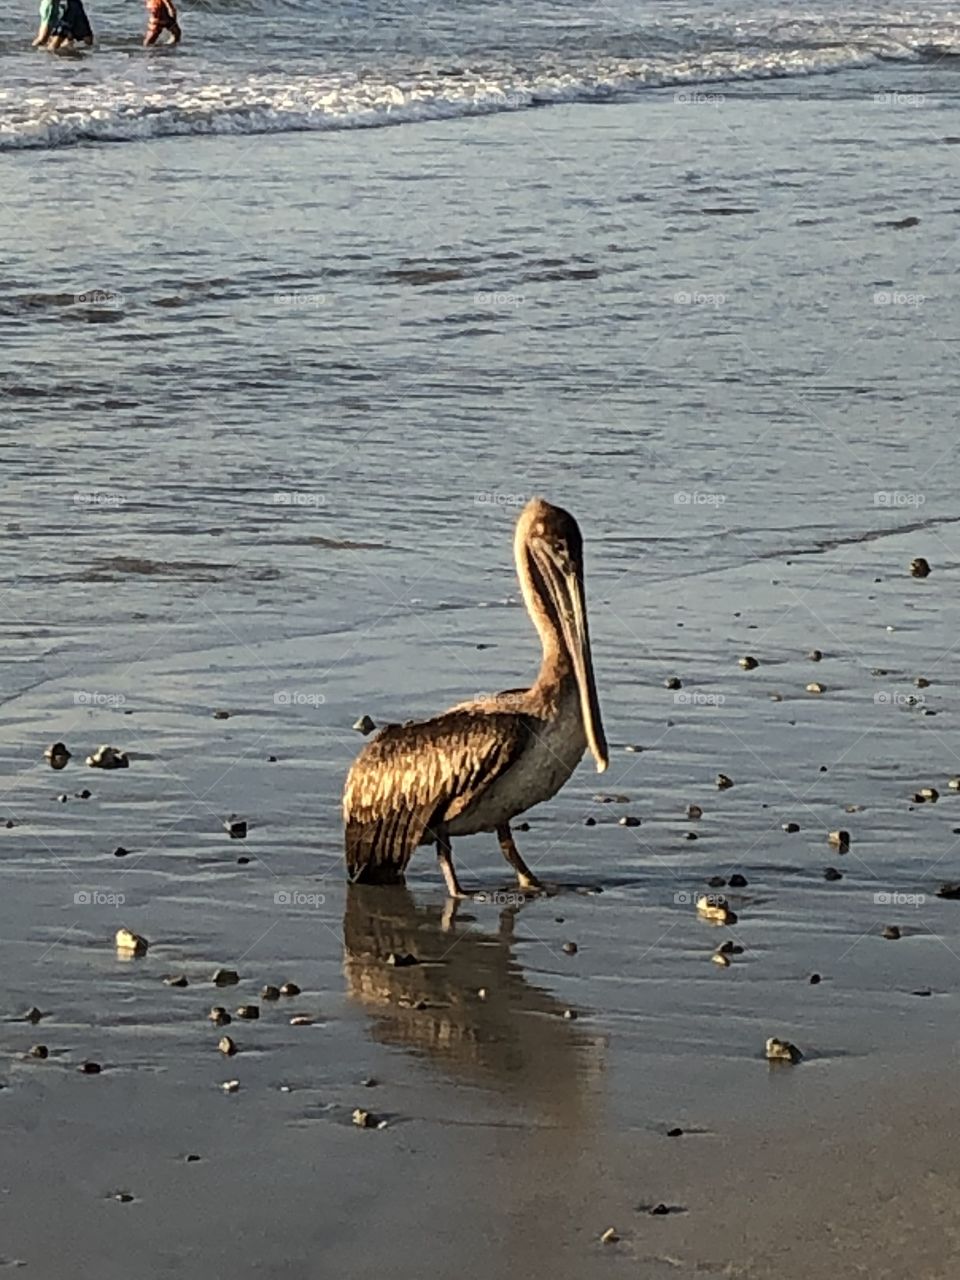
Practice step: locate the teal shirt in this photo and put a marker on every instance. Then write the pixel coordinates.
(49, 12)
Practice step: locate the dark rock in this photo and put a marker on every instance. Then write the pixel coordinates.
(628, 821)
(90, 1068)
(178, 981)
(289, 989)
(831, 873)
(248, 1011)
(694, 812)
(791, 827)
(891, 932)
(950, 889)
(270, 993)
(120, 851)
(39, 1051)
(236, 828)
(717, 882)
(401, 960)
(674, 1133)
(815, 979)
(748, 663)
(570, 948)
(57, 755)
(737, 881)
(673, 682)
(225, 978)
(723, 782)
(919, 567)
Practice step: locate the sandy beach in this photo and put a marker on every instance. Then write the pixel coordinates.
(278, 480)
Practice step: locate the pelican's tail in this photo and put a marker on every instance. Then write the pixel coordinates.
(378, 851)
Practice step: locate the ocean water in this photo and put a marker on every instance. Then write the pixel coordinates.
(273, 388)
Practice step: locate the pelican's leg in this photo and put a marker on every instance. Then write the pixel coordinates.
(445, 858)
(525, 877)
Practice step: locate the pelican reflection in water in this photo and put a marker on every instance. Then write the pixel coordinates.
(476, 767)
(501, 1038)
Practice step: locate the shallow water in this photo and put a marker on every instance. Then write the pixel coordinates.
(269, 463)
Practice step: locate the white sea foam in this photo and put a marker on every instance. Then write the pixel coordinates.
(111, 104)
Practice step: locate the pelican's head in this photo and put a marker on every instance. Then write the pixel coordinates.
(549, 546)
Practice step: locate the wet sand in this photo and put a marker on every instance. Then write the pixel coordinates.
(515, 1135)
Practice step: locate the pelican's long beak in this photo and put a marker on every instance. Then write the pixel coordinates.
(565, 582)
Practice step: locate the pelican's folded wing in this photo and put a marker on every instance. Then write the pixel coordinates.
(413, 777)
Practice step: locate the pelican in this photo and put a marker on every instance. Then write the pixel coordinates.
(477, 766)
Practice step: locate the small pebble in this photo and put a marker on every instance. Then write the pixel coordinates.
(891, 932)
(717, 882)
(248, 1011)
(609, 1236)
(730, 948)
(919, 567)
(628, 821)
(39, 1051)
(791, 827)
(815, 687)
(815, 979)
(84, 794)
(839, 839)
(954, 784)
(570, 948)
(130, 943)
(367, 1120)
(694, 812)
(748, 663)
(674, 1133)
(120, 851)
(221, 715)
(690, 835)
(301, 1020)
(62, 799)
(721, 959)
(814, 655)
(737, 881)
(242, 860)
(523, 826)
(589, 822)
(33, 1015)
(673, 682)
(950, 890)
(90, 1068)
(271, 759)
(289, 989)
(364, 725)
(123, 1196)
(108, 758)
(831, 873)
(219, 1016)
(723, 781)
(225, 978)
(227, 1046)
(659, 1210)
(930, 794)
(269, 993)
(57, 755)
(922, 682)
(782, 1051)
(230, 1086)
(191, 1158)
(236, 828)
(178, 981)
(570, 1015)
(715, 908)
(481, 993)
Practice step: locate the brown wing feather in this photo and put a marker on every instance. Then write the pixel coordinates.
(414, 777)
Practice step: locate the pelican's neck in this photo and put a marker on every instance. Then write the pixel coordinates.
(555, 664)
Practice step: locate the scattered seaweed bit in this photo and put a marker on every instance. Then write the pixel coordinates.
(57, 755)
(107, 757)
(781, 1051)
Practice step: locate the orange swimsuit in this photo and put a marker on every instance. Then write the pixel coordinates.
(159, 17)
